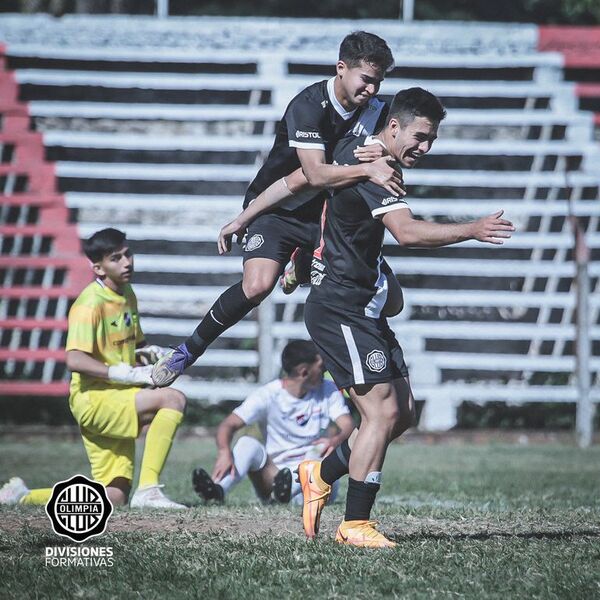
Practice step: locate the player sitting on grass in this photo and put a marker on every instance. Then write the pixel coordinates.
(108, 397)
(292, 413)
(343, 314)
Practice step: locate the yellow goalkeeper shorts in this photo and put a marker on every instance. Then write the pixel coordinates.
(109, 427)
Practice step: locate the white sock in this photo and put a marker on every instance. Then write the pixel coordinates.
(248, 455)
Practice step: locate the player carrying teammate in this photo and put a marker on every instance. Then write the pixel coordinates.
(292, 413)
(313, 122)
(343, 314)
(109, 397)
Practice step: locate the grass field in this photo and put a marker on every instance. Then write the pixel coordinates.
(471, 521)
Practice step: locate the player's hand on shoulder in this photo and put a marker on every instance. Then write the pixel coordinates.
(226, 234)
(124, 373)
(386, 173)
(492, 229)
(149, 355)
(223, 465)
(369, 153)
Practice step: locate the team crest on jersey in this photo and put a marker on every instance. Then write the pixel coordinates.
(302, 419)
(256, 241)
(376, 361)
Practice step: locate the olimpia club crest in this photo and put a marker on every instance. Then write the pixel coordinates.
(79, 508)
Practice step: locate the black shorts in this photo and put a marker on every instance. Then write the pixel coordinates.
(356, 349)
(277, 235)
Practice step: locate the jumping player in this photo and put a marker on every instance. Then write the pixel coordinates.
(292, 412)
(313, 122)
(343, 314)
(109, 395)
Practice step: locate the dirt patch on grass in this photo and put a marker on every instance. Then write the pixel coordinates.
(286, 522)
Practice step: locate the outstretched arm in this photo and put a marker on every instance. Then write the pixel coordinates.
(277, 192)
(224, 463)
(409, 231)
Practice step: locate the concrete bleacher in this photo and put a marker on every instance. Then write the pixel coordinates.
(162, 140)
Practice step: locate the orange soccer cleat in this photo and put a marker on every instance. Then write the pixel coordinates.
(316, 493)
(362, 534)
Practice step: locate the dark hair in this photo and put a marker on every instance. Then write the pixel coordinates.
(415, 102)
(103, 242)
(362, 46)
(297, 352)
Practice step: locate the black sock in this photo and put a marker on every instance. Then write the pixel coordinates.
(231, 306)
(360, 499)
(335, 465)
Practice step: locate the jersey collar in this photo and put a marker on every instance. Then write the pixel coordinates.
(370, 140)
(339, 109)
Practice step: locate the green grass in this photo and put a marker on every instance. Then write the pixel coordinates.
(484, 521)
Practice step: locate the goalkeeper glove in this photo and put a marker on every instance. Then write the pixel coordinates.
(149, 355)
(124, 373)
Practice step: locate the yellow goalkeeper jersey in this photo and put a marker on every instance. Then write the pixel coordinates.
(105, 325)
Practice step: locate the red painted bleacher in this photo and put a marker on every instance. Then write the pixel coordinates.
(36, 237)
(580, 47)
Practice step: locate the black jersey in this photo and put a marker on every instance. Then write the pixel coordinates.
(347, 264)
(314, 119)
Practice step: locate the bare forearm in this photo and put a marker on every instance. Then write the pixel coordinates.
(81, 362)
(224, 436)
(334, 176)
(423, 234)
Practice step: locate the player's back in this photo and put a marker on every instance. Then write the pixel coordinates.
(346, 269)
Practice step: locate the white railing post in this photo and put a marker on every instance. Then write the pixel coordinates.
(408, 10)
(162, 8)
(266, 358)
(584, 419)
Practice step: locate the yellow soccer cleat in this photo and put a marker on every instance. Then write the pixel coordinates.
(362, 534)
(316, 493)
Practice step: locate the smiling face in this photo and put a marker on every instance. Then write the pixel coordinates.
(355, 86)
(407, 144)
(115, 268)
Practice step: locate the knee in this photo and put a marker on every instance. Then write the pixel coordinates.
(173, 399)
(257, 289)
(118, 491)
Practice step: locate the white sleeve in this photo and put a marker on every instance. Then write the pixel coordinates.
(254, 407)
(336, 405)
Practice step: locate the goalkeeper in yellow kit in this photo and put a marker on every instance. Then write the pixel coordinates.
(110, 397)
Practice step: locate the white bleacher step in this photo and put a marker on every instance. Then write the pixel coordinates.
(83, 139)
(493, 362)
(187, 112)
(237, 173)
(151, 202)
(512, 393)
(287, 87)
(328, 57)
(406, 265)
(172, 294)
(421, 206)
(219, 391)
(76, 139)
(155, 172)
(464, 330)
(199, 233)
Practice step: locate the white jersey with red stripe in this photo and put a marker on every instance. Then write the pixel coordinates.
(290, 425)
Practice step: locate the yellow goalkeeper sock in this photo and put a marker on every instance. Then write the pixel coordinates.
(37, 497)
(158, 443)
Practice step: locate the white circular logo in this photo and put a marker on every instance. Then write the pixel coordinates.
(376, 361)
(256, 241)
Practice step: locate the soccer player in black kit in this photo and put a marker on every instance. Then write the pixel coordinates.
(314, 121)
(343, 313)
